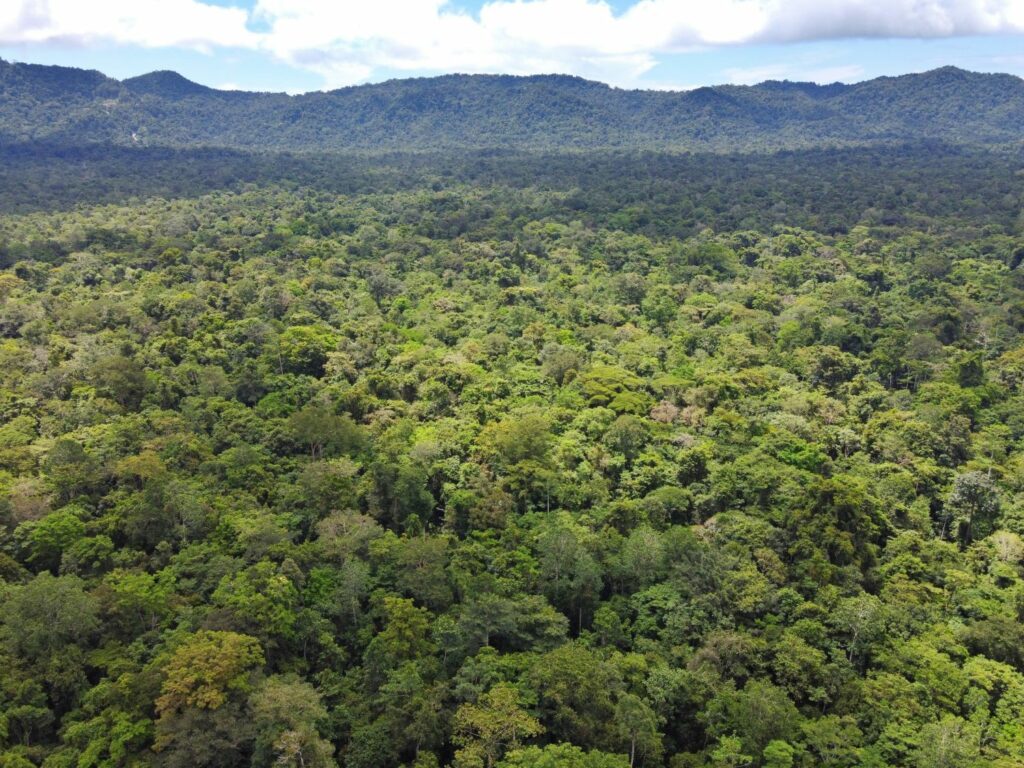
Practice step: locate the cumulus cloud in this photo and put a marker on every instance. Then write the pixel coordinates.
(799, 20)
(150, 23)
(585, 37)
(348, 41)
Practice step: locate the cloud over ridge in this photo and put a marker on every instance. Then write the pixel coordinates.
(346, 41)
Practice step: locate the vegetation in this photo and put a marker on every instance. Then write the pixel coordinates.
(73, 106)
(292, 478)
(510, 460)
(656, 194)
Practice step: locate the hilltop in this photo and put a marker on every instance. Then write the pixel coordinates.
(73, 107)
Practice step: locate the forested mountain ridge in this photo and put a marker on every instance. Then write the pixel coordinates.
(74, 106)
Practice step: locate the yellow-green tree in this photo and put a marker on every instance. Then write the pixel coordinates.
(484, 730)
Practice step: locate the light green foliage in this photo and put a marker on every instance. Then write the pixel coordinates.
(637, 726)
(206, 668)
(140, 600)
(778, 754)
(561, 756)
(485, 730)
(615, 388)
(972, 506)
(662, 461)
(263, 597)
(303, 349)
(201, 715)
(287, 713)
(405, 636)
(728, 753)
(50, 537)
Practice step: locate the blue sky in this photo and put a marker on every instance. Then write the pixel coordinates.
(303, 45)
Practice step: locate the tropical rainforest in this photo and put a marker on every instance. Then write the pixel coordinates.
(509, 459)
(554, 112)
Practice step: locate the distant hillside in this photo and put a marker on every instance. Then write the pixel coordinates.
(72, 106)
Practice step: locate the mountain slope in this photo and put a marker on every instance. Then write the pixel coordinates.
(74, 106)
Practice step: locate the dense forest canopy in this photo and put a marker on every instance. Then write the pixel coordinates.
(503, 459)
(74, 106)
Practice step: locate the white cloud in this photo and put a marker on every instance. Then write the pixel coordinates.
(797, 20)
(348, 41)
(150, 23)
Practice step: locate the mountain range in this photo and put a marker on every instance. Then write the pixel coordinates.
(68, 106)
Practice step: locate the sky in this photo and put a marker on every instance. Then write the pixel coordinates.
(308, 45)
